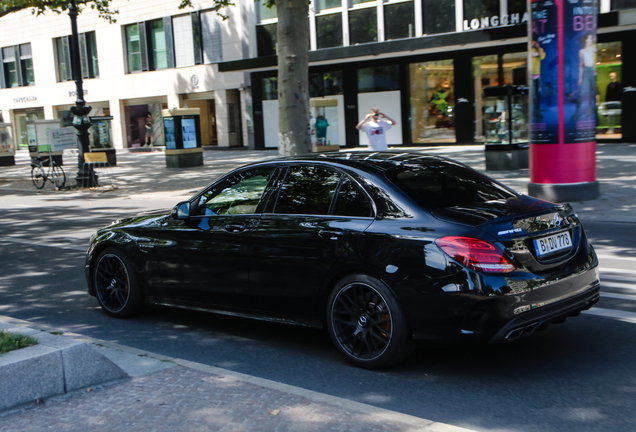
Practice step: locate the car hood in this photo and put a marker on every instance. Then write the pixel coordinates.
(146, 218)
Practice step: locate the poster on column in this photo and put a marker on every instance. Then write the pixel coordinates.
(544, 73)
(579, 70)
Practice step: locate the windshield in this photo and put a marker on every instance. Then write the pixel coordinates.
(437, 183)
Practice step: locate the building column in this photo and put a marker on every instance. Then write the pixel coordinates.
(222, 118)
(174, 101)
(49, 113)
(247, 118)
(118, 123)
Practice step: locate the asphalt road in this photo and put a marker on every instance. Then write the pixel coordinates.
(580, 375)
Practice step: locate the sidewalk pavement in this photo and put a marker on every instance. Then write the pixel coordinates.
(167, 394)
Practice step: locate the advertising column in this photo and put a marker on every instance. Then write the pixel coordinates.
(562, 57)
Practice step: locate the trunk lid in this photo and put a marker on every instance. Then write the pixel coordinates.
(541, 235)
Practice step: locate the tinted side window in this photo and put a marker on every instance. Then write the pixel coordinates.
(307, 190)
(238, 194)
(444, 184)
(351, 201)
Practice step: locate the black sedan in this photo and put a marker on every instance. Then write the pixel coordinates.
(382, 249)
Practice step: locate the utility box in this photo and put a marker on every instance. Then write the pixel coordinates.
(182, 133)
(7, 146)
(38, 135)
(506, 128)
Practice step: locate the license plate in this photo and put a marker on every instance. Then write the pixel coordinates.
(552, 244)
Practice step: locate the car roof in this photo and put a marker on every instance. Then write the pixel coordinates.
(376, 161)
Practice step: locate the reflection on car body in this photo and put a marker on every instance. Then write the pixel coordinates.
(382, 249)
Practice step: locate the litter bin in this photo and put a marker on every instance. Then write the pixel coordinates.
(182, 133)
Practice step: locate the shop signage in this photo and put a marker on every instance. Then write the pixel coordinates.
(25, 99)
(72, 93)
(495, 21)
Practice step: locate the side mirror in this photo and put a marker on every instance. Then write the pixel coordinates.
(181, 211)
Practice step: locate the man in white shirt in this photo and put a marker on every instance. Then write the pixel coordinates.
(376, 129)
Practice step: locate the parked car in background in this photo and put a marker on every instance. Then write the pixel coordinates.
(381, 249)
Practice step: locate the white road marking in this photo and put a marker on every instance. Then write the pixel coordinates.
(629, 317)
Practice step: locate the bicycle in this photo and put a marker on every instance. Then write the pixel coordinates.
(55, 174)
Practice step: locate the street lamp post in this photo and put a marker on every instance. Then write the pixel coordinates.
(85, 175)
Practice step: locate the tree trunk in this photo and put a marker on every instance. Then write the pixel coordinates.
(293, 77)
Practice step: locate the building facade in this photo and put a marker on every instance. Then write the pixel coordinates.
(154, 57)
(426, 63)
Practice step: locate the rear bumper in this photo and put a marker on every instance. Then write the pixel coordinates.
(532, 320)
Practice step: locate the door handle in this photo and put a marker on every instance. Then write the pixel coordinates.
(331, 235)
(235, 228)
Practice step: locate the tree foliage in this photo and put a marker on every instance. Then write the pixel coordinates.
(103, 7)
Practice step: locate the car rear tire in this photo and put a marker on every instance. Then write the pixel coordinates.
(116, 284)
(367, 324)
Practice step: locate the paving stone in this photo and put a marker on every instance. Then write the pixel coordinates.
(182, 399)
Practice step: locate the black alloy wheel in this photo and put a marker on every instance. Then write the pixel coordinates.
(38, 177)
(116, 285)
(367, 324)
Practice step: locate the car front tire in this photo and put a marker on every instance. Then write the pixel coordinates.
(116, 284)
(367, 324)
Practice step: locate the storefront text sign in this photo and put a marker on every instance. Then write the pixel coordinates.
(72, 93)
(25, 99)
(495, 21)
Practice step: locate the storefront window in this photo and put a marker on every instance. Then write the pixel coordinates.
(270, 88)
(438, 16)
(486, 74)
(432, 101)
(496, 70)
(21, 118)
(325, 84)
(266, 39)
(143, 125)
(515, 67)
(610, 90)
(329, 30)
(378, 79)
(477, 9)
(517, 7)
(623, 4)
(363, 25)
(399, 20)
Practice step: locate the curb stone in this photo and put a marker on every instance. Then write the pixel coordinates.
(55, 366)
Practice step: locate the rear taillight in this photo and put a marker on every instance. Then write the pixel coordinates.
(476, 254)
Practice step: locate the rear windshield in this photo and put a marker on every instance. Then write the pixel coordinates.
(435, 183)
